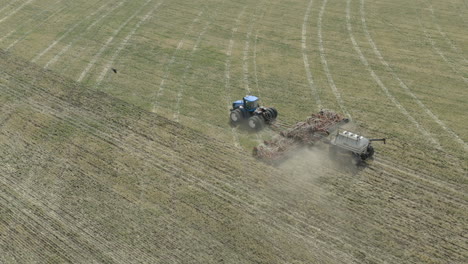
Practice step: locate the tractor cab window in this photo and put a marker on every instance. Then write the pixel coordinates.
(251, 105)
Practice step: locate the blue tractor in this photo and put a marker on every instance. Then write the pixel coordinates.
(249, 110)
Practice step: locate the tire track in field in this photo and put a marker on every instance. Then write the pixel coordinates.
(160, 91)
(148, 156)
(402, 84)
(64, 35)
(57, 217)
(227, 73)
(34, 28)
(80, 35)
(446, 38)
(29, 20)
(97, 56)
(7, 5)
(323, 58)
(186, 70)
(450, 64)
(245, 58)
(16, 10)
(305, 58)
(124, 43)
(105, 185)
(379, 82)
(150, 151)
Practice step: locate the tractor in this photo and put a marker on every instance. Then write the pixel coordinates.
(248, 111)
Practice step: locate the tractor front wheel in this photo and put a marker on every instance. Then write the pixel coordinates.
(236, 116)
(256, 123)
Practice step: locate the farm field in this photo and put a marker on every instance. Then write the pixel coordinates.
(141, 165)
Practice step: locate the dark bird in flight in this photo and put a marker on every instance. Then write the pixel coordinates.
(114, 70)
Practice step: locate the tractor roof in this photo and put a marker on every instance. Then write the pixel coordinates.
(250, 98)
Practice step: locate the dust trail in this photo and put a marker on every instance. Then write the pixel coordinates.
(78, 37)
(306, 59)
(379, 82)
(331, 82)
(227, 75)
(16, 10)
(55, 42)
(108, 42)
(124, 43)
(172, 60)
(402, 84)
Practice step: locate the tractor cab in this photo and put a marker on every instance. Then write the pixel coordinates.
(250, 103)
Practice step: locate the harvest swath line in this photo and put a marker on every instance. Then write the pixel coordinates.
(146, 154)
(34, 28)
(306, 59)
(402, 84)
(172, 60)
(55, 42)
(227, 76)
(108, 42)
(15, 10)
(379, 82)
(331, 82)
(27, 21)
(124, 43)
(79, 36)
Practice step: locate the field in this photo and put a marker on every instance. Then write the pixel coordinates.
(141, 166)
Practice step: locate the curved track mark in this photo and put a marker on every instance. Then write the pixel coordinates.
(16, 10)
(55, 42)
(79, 36)
(402, 84)
(441, 54)
(29, 20)
(7, 5)
(379, 82)
(227, 74)
(325, 63)
(34, 28)
(108, 42)
(446, 38)
(186, 69)
(171, 61)
(306, 59)
(124, 43)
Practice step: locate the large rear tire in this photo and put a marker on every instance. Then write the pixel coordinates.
(256, 123)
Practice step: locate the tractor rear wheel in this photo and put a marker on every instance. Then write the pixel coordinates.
(275, 113)
(256, 123)
(236, 116)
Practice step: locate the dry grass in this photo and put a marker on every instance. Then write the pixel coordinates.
(89, 174)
